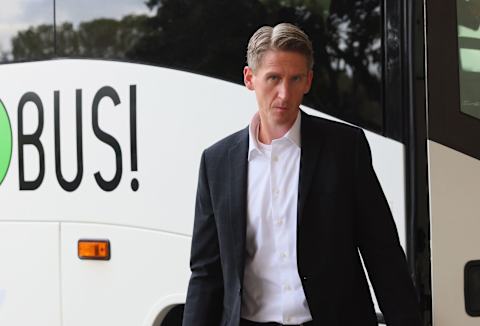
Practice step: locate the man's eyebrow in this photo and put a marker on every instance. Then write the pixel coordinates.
(299, 75)
(272, 73)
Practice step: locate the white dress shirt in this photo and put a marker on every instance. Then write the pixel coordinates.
(272, 289)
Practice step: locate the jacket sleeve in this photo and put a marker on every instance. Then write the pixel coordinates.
(205, 290)
(380, 246)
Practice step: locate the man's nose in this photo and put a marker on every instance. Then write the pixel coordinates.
(283, 90)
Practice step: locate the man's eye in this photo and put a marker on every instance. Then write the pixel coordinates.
(273, 78)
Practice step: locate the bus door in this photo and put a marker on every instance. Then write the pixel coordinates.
(453, 79)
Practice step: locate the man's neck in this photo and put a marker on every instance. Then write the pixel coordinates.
(266, 134)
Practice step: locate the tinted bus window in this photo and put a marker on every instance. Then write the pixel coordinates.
(26, 30)
(453, 75)
(210, 38)
(100, 29)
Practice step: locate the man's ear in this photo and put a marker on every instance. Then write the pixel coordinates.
(248, 78)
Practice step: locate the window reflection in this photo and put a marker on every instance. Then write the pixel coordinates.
(100, 29)
(352, 64)
(26, 30)
(210, 37)
(468, 14)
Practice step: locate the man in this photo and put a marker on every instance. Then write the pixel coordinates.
(285, 206)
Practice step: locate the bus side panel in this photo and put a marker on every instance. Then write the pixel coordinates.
(137, 148)
(455, 206)
(145, 268)
(29, 274)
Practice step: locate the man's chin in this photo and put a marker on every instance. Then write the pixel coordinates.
(284, 118)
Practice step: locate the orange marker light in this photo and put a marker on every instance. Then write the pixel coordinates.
(94, 249)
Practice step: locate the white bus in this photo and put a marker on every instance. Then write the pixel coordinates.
(105, 108)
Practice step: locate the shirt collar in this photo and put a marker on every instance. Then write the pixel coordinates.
(293, 134)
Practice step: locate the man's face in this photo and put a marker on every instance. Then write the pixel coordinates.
(280, 81)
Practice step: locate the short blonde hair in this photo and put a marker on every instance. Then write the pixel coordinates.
(282, 37)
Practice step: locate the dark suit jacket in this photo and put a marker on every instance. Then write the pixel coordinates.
(341, 211)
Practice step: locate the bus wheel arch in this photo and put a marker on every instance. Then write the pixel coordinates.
(167, 312)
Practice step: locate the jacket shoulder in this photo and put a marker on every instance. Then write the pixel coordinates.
(332, 128)
(222, 146)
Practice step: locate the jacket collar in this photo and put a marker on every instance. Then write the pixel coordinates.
(237, 180)
(312, 143)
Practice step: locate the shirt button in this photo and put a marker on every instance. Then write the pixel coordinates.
(286, 288)
(275, 158)
(279, 221)
(284, 255)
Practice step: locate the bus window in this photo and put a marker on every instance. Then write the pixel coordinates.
(26, 30)
(468, 16)
(210, 38)
(100, 29)
(453, 73)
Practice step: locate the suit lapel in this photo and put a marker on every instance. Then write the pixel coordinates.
(311, 145)
(237, 163)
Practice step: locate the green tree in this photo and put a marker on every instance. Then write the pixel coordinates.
(33, 43)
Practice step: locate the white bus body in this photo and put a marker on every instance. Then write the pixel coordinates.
(176, 115)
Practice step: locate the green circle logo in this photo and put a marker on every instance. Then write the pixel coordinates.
(5, 142)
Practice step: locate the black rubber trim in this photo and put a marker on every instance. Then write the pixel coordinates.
(471, 267)
(416, 160)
